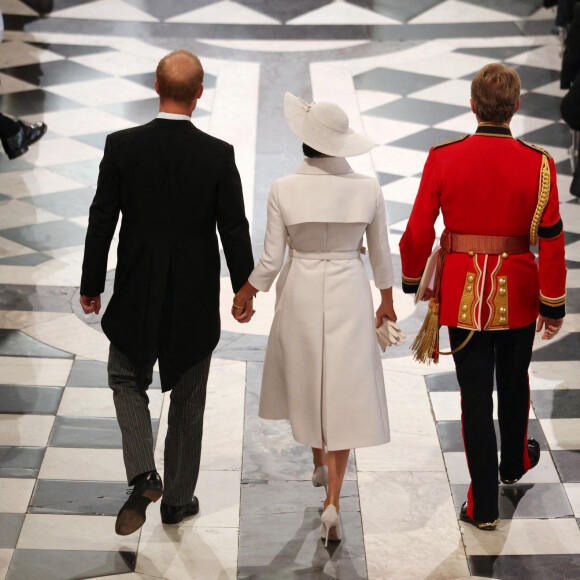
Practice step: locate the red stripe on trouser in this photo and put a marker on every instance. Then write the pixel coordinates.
(527, 460)
(470, 491)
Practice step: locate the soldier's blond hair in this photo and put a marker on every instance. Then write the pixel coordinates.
(495, 90)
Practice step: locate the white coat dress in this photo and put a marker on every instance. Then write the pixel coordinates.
(322, 369)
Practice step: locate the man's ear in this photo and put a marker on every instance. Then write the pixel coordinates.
(156, 86)
(517, 106)
(472, 102)
(199, 92)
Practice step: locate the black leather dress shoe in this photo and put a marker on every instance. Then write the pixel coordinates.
(481, 525)
(147, 488)
(534, 455)
(17, 145)
(174, 514)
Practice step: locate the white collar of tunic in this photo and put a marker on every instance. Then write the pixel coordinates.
(325, 166)
(173, 116)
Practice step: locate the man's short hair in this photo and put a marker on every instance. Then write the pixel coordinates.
(495, 90)
(181, 84)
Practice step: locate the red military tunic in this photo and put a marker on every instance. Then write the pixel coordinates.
(488, 184)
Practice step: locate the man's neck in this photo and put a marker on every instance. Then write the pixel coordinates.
(176, 108)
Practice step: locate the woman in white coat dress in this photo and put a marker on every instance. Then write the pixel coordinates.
(322, 369)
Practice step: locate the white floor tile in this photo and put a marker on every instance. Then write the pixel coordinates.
(368, 100)
(25, 430)
(454, 11)
(383, 131)
(17, 7)
(282, 45)
(35, 181)
(552, 89)
(130, 576)
(410, 526)
(544, 472)
(573, 493)
(225, 12)
(83, 464)
(80, 122)
(562, 434)
(10, 84)
(60, 532)
(99, 92)
(465, 124)
(175, 552)
(21, 54)
(114, 64)
(521, 124)
(455, 92)
(398, 161)
(341, 13)
(20, 319)
(15, 495)
(5, 557)
(105, 10)
(85, 402)
(8, 248)
(549, 57)
(58, 151)
(524, 536)
(403, 190)
(14, 214)
(50, 372)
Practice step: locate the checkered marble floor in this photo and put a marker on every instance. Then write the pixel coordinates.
(402, 71)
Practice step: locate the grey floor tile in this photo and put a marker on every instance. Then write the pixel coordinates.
(513, 7)
(557, 403)
(403, 11)
(555, 135)
(386, 178)
(68, 50)
(417, 111)
(85, 172)
(35, 102)
(10, 526)
(78, 497)
(90, 432)
(533, 77)
(543, 106)
(495, 53)
(53, 73)
(568, 465)
(530, 567)
(94, 140)
(29, 399)
(68, 564)
(139, 111)
(397, 211)
(442, 382)
(47, 236)
(451, 438)
(32, 259)
(17, 343)
(89, 373)
(424, 140)
(565, 349)
(394, 81)
(40, 298)
(525, 501)
(20, 462)
(67, 204)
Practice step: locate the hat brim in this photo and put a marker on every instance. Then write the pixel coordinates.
(320, 137)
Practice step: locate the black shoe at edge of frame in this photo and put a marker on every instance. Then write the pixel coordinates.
(17, 145)
(488, 526)
(174, 514)
(147, 488)
(534, 455)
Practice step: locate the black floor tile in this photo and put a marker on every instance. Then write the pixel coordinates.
(386, 178)
(442, 382)
(573, 302)
(538, 105)
(533, 77)
(39, 298)
(139, 112)
(521, 8)
(54, 73)
(85, 172)
(397, 211)
(524, 500)
(47, 236)
(33, 259)
(67, 204)
(21, 462)
(451, 438)
(417, 111)
(29, 399)
(496, 53)
(96, 140)
(89, 432)
(565, 349)
(10, 526)
(557, 403)
(34, 103)
(529, 566)
(18, 164)
(424, 140)
(403, 11)
(72, 50)
(394, 81)
(69, 564)
(16, 343)
(89, 373)
(556, 135)
(568, 465)
(166, 10)
(78, 497)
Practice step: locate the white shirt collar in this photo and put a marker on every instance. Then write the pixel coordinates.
(173, 116)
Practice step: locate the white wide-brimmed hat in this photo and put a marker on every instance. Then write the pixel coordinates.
(324, 127)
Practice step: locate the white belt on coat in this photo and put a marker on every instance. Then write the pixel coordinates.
(347, 255)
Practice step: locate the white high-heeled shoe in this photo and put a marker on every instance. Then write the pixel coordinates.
(320, 477)
(330, 528)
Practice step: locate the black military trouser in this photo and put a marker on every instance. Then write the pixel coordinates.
(509, 353)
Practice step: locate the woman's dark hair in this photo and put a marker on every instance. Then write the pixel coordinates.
(309, 152)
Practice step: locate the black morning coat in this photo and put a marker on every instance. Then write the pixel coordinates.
(173, 184)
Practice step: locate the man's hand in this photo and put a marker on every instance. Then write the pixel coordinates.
(245, 309)
(91, 304)
(551, 326)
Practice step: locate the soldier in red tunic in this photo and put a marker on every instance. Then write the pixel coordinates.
(498, 196)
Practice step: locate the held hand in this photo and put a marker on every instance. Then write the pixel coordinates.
(551, 326)
(427, 295)
(91, 304)
(243, 313)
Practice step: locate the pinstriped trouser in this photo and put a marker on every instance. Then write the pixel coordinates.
(185, 424)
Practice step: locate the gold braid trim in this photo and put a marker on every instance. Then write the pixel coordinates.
(543, 196)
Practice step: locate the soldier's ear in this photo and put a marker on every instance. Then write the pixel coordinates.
(517, 106)
(472, 102)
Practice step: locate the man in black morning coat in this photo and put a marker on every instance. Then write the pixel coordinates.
(173, 184)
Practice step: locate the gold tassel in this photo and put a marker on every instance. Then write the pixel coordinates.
(426, 344)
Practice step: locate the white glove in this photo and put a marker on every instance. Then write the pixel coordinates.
(389, 334)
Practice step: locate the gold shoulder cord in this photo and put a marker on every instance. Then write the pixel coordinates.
(543, 196)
